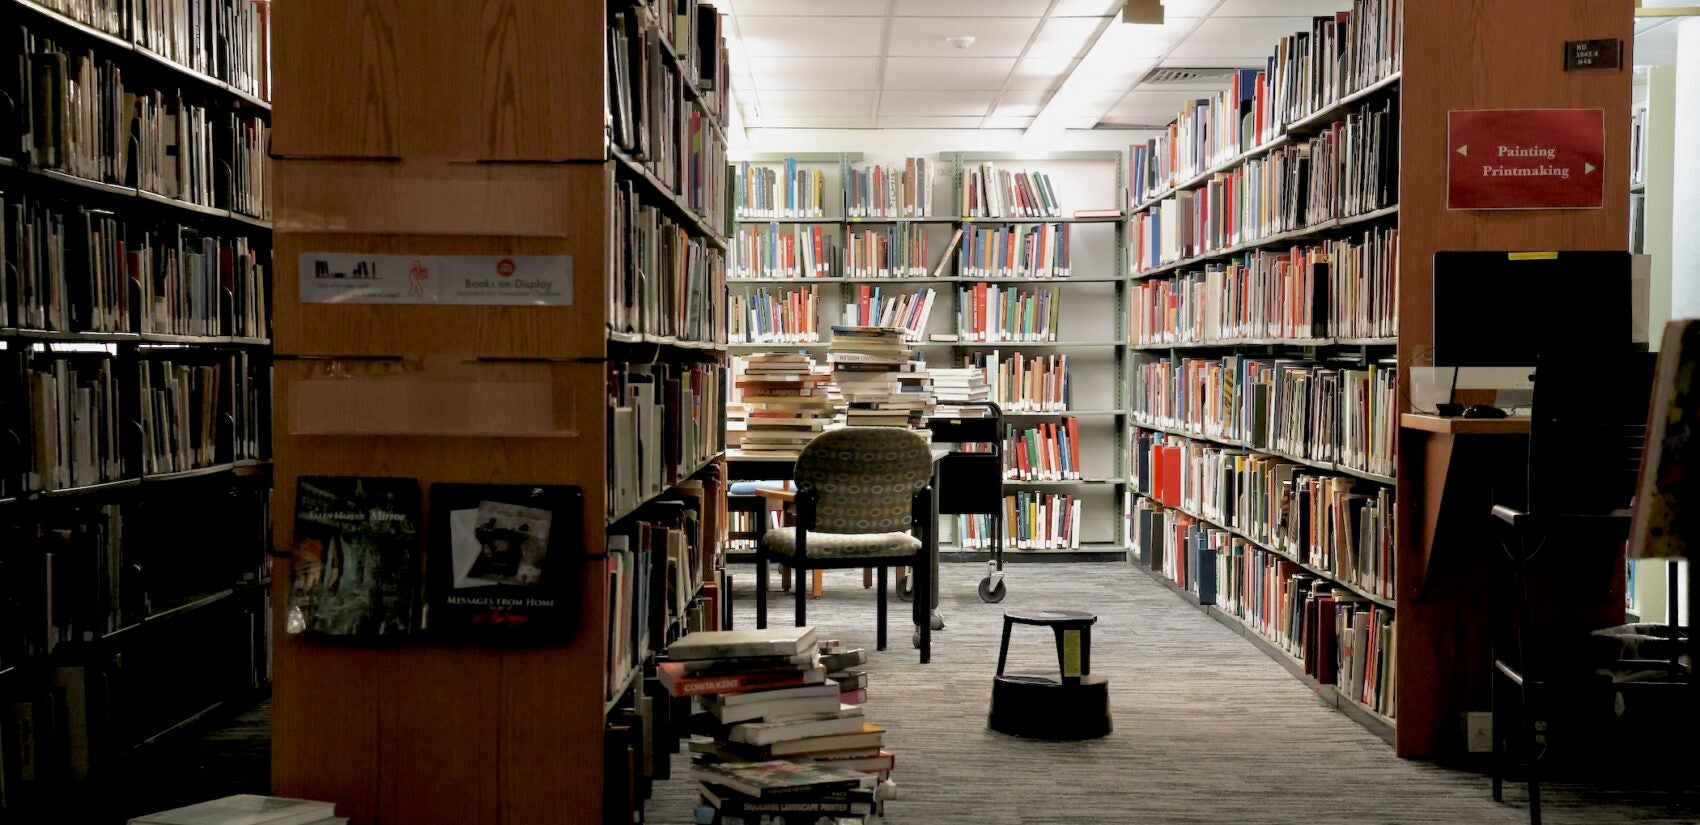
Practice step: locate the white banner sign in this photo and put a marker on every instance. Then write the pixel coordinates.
(480, 280)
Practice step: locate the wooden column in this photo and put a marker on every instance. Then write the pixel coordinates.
(451, 128)
(1479, 54)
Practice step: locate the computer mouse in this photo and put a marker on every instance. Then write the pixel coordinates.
(1483, 411)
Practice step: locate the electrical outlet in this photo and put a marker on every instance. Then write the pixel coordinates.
(1478, 731)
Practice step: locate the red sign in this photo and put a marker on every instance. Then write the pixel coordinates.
(1526, 159)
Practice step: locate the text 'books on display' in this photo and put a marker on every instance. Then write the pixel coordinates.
(881, 380)
(782, 728)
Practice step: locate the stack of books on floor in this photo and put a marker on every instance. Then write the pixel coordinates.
(882, 382)
(779, 745)
(787, 403)
(956, 386)
(248, 809)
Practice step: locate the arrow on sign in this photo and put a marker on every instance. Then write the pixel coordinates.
(1464, 150)
(1587, 168)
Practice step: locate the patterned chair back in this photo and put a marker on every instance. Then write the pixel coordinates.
(866, 478)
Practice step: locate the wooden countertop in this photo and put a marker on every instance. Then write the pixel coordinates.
(1457, 425)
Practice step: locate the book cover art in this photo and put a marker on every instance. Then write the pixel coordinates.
(356, 561)
(1659, 523)
(501, 559)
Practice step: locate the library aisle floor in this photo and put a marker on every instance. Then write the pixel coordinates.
(1207, 727)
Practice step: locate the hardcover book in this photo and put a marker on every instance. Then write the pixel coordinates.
(356, 571)
(500, 560)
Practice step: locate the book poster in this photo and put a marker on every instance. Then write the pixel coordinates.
(503, 557)
(356, 571)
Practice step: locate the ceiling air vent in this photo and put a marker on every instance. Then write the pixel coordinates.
(1172, 76)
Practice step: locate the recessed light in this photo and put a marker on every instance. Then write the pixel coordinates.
(961, 41)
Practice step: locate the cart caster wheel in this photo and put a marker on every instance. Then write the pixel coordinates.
(916, 640)
(906, 588)
(938, 621)
(990, 593)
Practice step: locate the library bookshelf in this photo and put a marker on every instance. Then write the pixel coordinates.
(546, 157)
(1092, 296)
(1452, 55)
(133, 487)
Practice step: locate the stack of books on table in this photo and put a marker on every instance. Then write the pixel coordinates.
(779, 744)
(787, 403)
(882, 382)
(248, 809)
(955, 386)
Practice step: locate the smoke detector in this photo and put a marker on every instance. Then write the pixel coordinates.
(961, 41)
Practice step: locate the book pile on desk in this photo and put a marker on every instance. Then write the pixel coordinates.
(787, 403)
(954, 386)
(248, 809)
(881, 380)
(779, 742)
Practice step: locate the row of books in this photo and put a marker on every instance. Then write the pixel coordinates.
(230, 41)
(1313, 411)
(1025, 383)
(66, 583)
(872, 306)
(790, 191)
(660, 574)
(763, 316)
(70, 269)
(896, 251)
(1346, 288)
(1339, 525)
(890, 191)
(1048, 451)
(1040, 251)
(776, 251)
(77, 116)
(1343, 639)
(991, 313)
(694, 29)
(66, 413)
(1031, 521)
(663, 423)
(1350, 169)
(646, 110)
(1308, 71)
(665, 281)
(990, 192)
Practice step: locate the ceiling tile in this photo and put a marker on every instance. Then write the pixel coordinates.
(993, 36)
(1021, 102)
(816, 72)
(806, 8)
(811, 36)
(1174, 8)
(1283, 8)
(984, 73)
(813, 122)
(1151, 106)
(1087, 8)
(1150, 42)
(1065, 37)
(968, 8)
(1249, 38)
(1123, 75)
(929, 122)
(1006, 123)
(1041, 73)
(797, 103)
(947, 103)
(1095, 104)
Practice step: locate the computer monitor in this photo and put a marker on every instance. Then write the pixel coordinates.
(1505, 309)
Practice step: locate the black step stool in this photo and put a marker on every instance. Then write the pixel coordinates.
(1036, 706)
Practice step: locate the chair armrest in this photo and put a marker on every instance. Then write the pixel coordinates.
(1609, 524)
(778, 495)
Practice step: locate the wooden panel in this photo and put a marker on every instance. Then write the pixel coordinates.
(1479, 54)
(434, 735)
(579, 194)
(494, 79)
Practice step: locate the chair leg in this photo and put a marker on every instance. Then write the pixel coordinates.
(1496, 713)
(868, 577)
(879, 643)
(761, 593)
(802, 595)
(924, 601)
(785, 579)
(1532, 739)
(818, 588)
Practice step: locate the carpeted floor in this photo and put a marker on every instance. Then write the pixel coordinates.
(1208, 728)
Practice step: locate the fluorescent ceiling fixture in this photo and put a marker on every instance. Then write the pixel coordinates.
(1106, 57)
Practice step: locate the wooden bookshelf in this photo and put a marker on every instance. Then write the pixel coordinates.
(510, 158)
